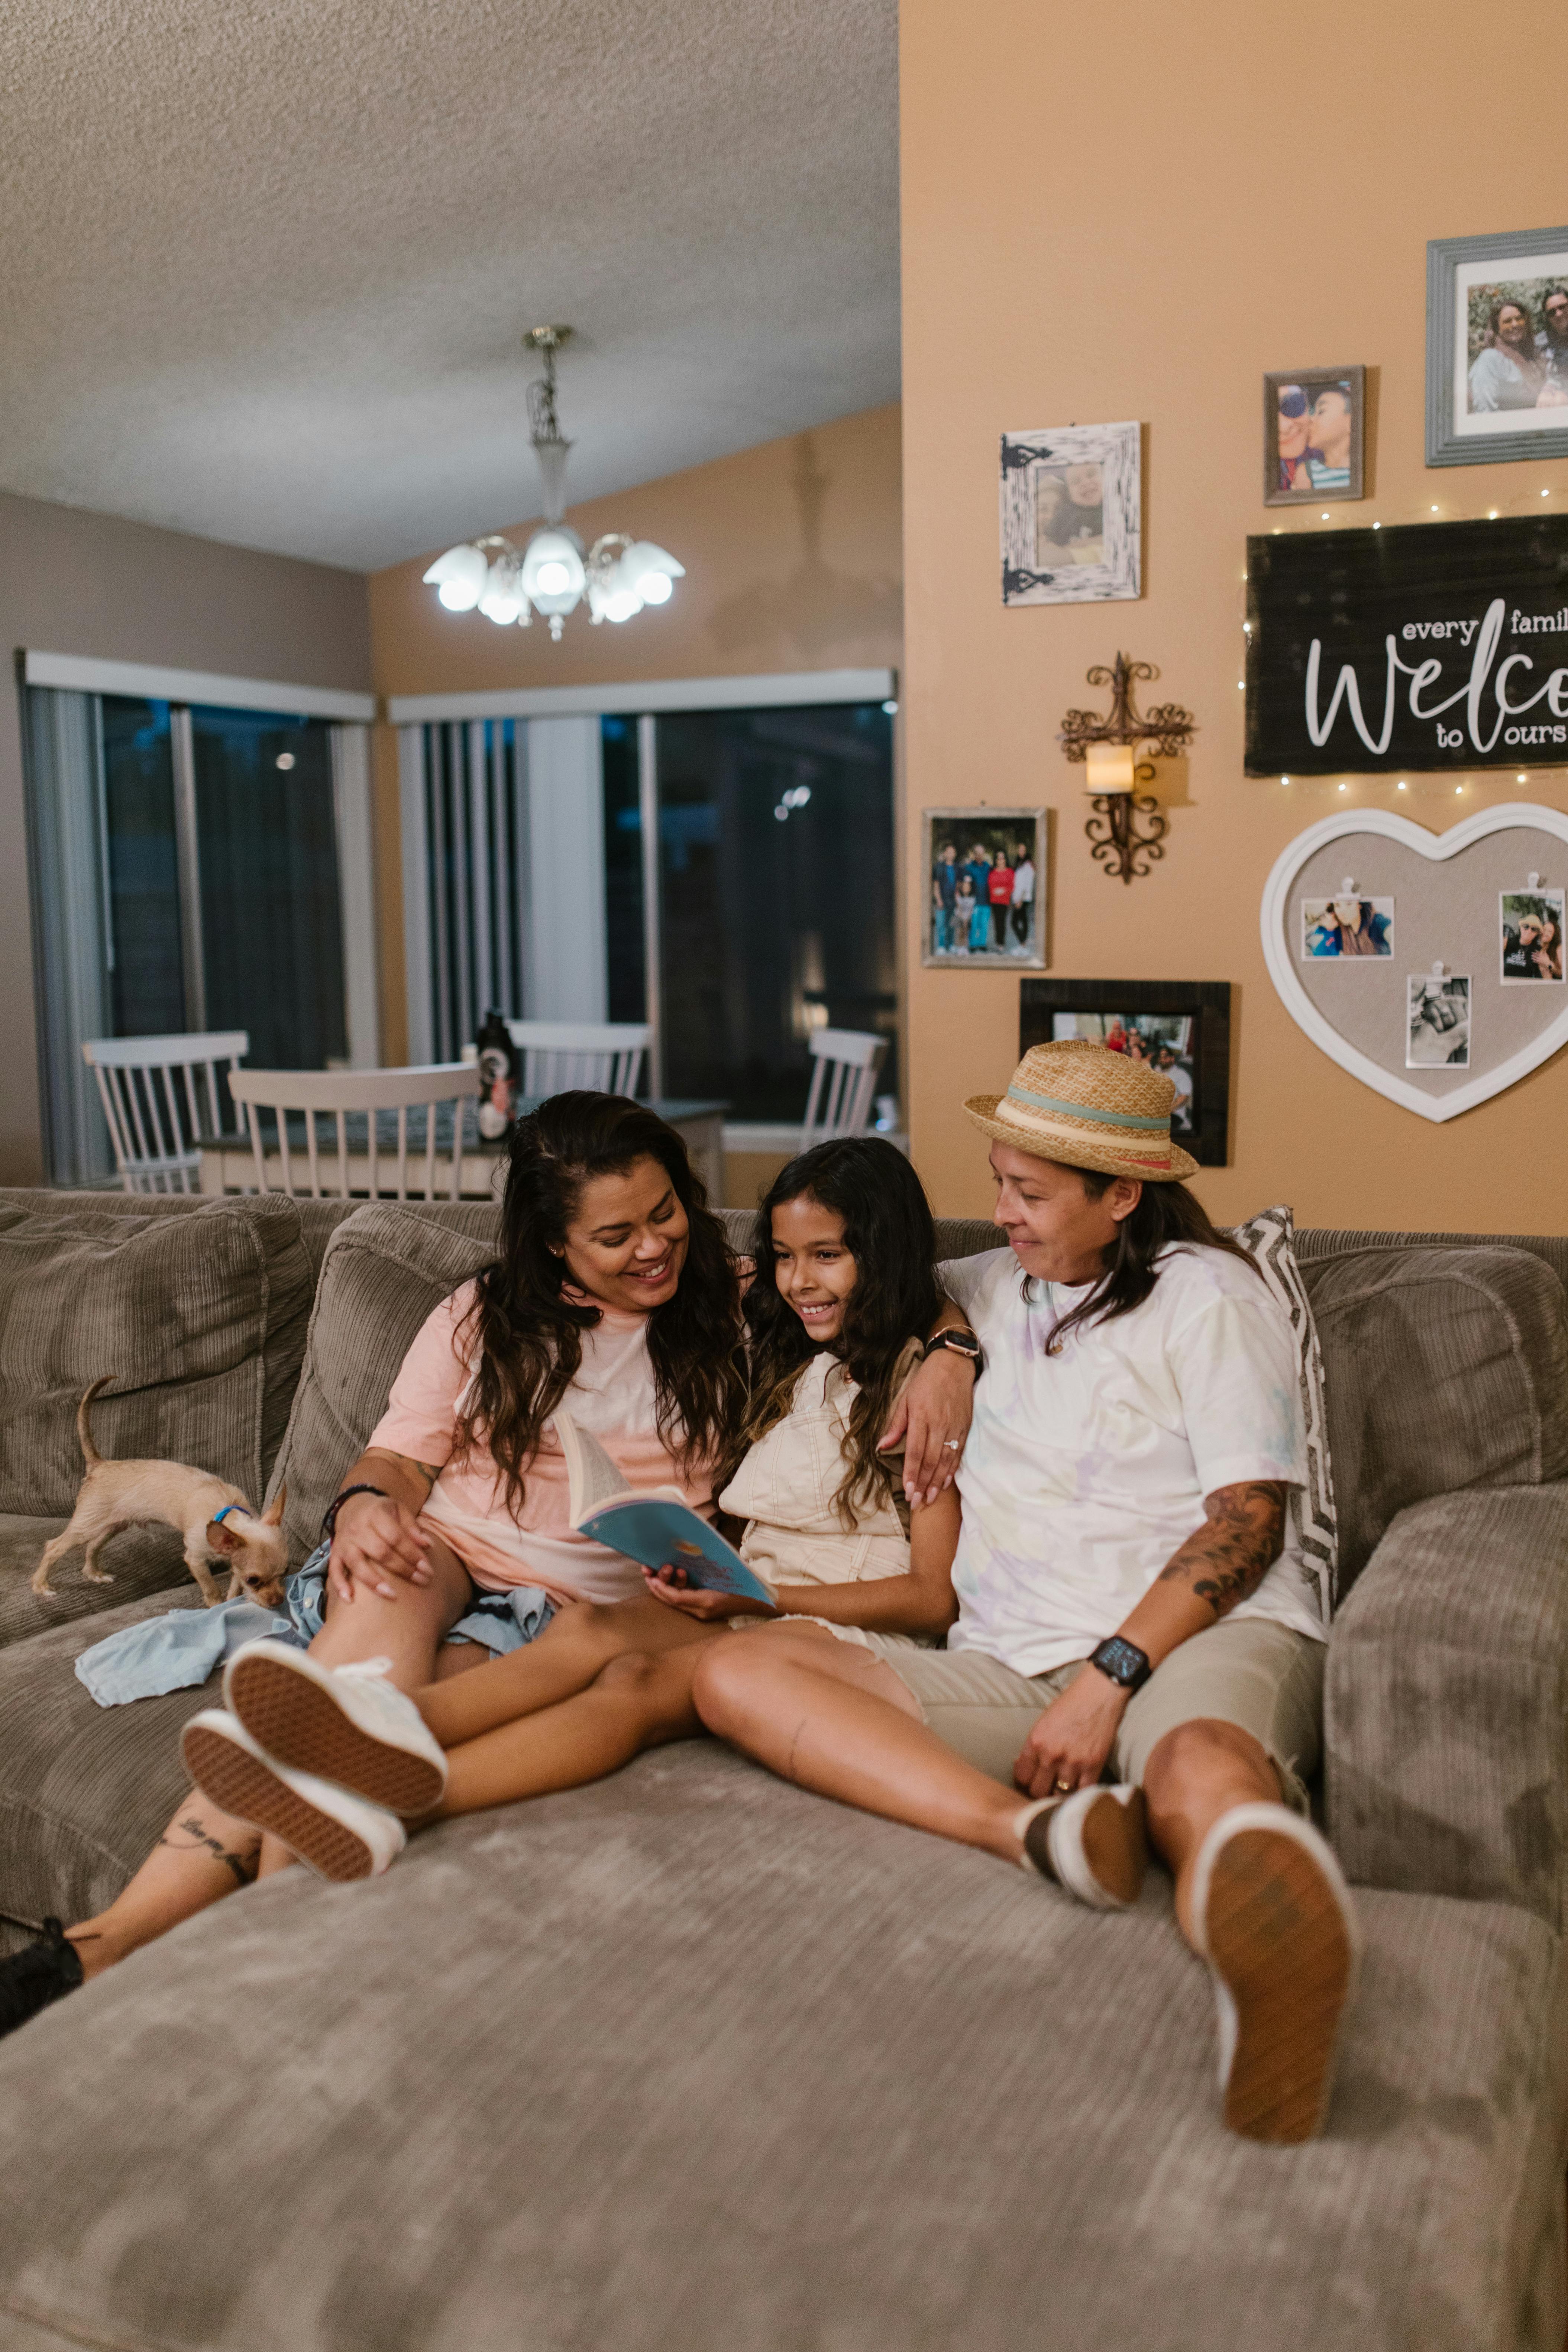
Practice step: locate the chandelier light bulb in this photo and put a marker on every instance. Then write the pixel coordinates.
(502, 600)
(552, 577)
(459, 577)
(553, 572)
(651, 570)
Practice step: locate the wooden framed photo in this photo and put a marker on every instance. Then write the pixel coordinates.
(1497, 348)
(1181, 1027)
(985, 889)
(1314, 435)
(1070, 514)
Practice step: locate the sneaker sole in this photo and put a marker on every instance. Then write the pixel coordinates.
(1278, 1939)
(1115, 1841)
(243, 1786)
(302, 1725)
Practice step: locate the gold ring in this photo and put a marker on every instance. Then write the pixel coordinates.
(1063, 1788)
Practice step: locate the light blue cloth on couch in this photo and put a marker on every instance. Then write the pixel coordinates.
(181, 1649)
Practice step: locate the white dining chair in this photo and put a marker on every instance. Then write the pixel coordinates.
(605, 1056)
(843, 1083)
(338, 1095)
(158, 1095)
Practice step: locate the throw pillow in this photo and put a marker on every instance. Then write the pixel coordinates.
(1269, 1239)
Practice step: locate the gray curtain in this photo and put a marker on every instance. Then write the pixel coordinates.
(67, 860)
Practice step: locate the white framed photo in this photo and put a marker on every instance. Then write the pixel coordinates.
(986, 888)
(1530, 937)
(1437, 1024)
(1342, 929)
(1071, 515)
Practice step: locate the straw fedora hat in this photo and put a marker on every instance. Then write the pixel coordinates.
(1080, 1102)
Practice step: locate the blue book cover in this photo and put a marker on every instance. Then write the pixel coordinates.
(657, 1529)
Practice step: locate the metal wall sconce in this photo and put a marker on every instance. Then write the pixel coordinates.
(1117, 751)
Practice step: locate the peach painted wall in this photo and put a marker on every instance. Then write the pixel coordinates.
(1123, 211)
(793, 561)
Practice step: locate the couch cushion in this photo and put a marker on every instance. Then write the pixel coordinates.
(692, 2061)
(199, 1316)
(1444, 1368)
(1551, 1249)
(84, 1789)
(384, 1269)
(140, 1560)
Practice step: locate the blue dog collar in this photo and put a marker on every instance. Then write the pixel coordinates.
(219, 1516)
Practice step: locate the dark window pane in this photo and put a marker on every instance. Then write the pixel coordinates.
(623, 870)
(271, 928)
(147, 982)
(776, 865)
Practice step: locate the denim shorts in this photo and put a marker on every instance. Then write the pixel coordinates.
(496, 1620)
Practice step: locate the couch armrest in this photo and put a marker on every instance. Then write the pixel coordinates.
(1447, 1736)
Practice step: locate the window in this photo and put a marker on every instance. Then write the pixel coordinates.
(186, 876)
(776, 888)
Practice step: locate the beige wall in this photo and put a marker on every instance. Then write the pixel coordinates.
(1206, 195)
(793, 561)
(74, 583)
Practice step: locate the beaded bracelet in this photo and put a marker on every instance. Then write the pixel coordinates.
(330, 1515)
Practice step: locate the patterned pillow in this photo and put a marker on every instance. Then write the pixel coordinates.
(1269, 1239)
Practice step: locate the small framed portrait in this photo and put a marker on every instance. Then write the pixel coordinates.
(1497, 348)
(986, 888)
(1438, 1021)
(1179, 1027)
(1346, 926)
(1314, 435)
(1071, 515)
(1530, 935)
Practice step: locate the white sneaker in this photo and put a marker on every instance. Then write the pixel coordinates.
(1272, 1916)
(338, 1835)
(346, 1724)
(1094, 1842)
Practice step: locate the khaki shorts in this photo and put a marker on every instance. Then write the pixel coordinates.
(1249, 1671)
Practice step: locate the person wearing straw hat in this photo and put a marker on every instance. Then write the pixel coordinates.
(1138, 1650)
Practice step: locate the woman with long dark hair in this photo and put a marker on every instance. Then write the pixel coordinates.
(844, 1292)
(614, 1286)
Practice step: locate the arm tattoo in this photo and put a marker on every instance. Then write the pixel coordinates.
(1243, 1533)
(244, 1865)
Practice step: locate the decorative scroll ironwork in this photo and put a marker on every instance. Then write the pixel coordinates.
(1112, 832)
(1164, 732)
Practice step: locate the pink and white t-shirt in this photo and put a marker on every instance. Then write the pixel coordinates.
(613, 1395)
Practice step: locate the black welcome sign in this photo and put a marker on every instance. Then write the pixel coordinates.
(1435, 646)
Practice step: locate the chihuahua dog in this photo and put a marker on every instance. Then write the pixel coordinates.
(218, 1523)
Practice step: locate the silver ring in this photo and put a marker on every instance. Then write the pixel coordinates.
(954, 1442)
(1064, 1788)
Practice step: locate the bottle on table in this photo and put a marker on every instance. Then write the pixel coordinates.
(499, 1076)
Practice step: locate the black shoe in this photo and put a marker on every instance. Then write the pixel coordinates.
(41, 1972)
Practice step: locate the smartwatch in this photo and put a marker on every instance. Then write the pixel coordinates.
(963, 1342)
(1123, 1662)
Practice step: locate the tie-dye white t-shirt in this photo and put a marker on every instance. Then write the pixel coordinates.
(1085, 1471)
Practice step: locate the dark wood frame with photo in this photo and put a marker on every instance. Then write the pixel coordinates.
(1206, 1001)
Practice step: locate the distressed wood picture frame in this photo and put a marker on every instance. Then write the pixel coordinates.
(1071, 515)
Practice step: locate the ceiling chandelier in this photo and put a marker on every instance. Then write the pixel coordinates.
(555, 572)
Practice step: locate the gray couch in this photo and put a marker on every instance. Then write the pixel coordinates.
(691, 2061)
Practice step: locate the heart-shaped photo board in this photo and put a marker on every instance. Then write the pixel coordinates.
(1445, 919)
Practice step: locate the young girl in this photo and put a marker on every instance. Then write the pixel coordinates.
(844, 1292)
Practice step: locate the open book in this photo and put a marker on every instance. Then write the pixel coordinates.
(655, 1527)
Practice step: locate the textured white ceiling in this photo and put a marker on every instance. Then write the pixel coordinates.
(264, 264)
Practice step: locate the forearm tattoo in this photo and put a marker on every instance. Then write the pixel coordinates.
(244, 1865)
(1243, 1533)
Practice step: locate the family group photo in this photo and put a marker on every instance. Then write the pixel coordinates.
(986, 895)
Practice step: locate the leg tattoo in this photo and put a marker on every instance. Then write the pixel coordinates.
(244, 1865)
